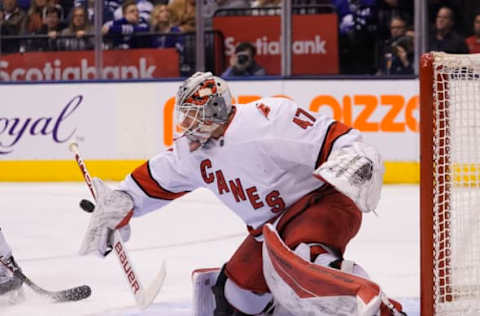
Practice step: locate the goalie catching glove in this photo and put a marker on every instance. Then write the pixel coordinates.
(357, 172)
(113, 210)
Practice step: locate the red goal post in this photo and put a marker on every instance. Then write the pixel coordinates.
(450, 184)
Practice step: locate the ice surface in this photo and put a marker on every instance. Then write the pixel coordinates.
(44, 225)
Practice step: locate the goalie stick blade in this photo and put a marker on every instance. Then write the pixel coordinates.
(151, 292)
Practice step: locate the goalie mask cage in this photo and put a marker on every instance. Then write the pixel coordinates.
(450, 184)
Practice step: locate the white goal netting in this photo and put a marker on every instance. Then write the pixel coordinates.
(456, 205)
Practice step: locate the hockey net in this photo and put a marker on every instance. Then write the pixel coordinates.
(450, 184)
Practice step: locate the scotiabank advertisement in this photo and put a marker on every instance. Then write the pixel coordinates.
(136, 120)
(314, 41)
(80, 65)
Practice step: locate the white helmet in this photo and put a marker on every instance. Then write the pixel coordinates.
(203, 103)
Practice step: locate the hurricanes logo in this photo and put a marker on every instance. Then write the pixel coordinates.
(265, 110)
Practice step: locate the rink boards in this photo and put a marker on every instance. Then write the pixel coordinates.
(120, 125)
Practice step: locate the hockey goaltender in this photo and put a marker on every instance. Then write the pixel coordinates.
(299, 180)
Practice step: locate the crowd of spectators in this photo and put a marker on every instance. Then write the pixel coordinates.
(375, 36)
(50, 25)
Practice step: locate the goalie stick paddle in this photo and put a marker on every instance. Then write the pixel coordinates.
(69, 295)
(143, 298)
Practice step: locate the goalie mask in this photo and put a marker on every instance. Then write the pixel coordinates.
(203, 103)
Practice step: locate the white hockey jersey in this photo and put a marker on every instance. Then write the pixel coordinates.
(261, 166)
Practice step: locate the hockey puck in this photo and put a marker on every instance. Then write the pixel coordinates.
(87, 206)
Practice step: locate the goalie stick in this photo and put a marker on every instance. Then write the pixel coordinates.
(68, 295)
(143, 297)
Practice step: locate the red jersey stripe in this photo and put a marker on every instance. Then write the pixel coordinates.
(144, 179)
(334, 131)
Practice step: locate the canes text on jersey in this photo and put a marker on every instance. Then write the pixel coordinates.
(235, 187)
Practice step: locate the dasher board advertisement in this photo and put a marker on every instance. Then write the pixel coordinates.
(115, 122)
(80, 65)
